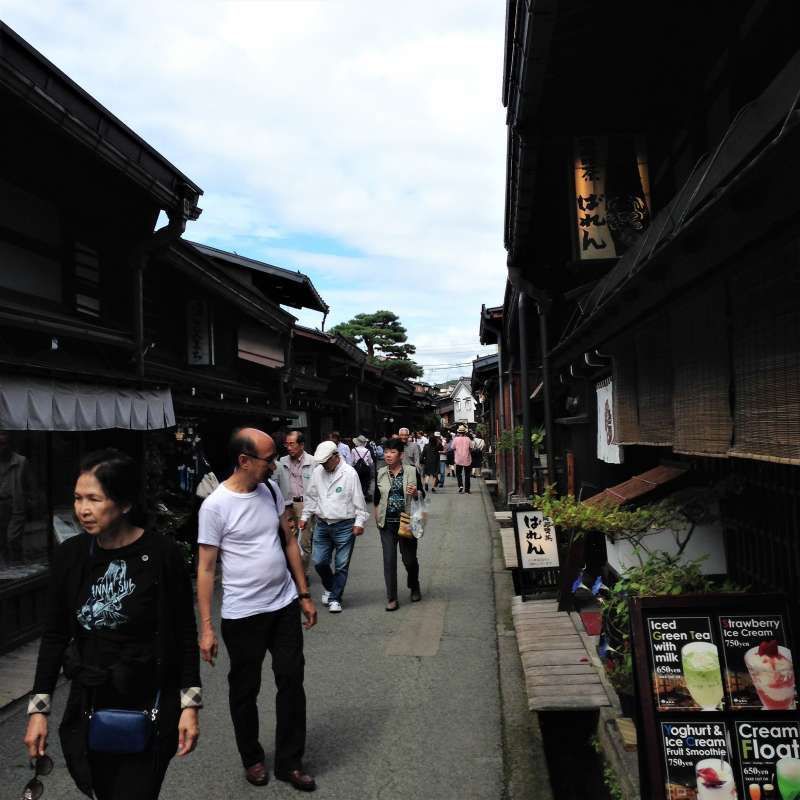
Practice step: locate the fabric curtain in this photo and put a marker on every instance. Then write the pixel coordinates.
(38, 404)
(607, 450)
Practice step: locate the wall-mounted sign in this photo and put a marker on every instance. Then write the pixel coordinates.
(715, 684)
(199, 334)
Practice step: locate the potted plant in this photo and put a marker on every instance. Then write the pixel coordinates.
(537, 438)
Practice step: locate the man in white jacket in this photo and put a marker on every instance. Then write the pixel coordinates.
(335, 498)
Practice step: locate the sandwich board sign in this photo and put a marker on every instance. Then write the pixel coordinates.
(536, 545)
(717, 701)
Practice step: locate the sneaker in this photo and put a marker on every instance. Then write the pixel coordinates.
(334, 606)
(461, 490)
(325, 597)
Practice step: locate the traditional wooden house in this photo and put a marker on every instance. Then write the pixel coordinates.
(653, 255)
(80, 194)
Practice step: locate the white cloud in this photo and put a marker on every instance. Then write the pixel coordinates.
(375, 125)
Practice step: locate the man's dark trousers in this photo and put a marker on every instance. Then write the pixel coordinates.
(247, 641)
(463, 474)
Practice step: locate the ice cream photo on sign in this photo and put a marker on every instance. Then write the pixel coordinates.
(759, 668)
(686, 671)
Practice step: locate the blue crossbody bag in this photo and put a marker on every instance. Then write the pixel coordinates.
(121, 730)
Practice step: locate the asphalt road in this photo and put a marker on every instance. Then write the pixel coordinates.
(400, 706)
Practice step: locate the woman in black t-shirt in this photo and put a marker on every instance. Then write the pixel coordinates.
(120, 619)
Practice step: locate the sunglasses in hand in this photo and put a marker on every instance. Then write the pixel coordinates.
(34, 789)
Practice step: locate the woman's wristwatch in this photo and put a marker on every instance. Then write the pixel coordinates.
(304, 595)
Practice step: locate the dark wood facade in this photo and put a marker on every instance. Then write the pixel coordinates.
(695, 318)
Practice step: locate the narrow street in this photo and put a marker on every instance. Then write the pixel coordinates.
(403, 705)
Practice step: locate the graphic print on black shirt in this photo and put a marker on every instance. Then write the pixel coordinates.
(103, 607)
(119, 597)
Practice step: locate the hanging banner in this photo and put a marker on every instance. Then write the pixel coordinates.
(606, 449)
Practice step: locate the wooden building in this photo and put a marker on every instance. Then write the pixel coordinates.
(653, 254)
(80, 194)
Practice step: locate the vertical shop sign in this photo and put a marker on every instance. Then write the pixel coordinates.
(199, 338)
(594, 237)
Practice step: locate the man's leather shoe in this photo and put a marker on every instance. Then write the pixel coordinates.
(257, 774)
(415, 596)
(298, 779)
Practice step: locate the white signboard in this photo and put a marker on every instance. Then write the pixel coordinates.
(537, 540)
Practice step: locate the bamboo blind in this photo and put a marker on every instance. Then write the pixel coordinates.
(654, 382)
(701, 396)
(765, 306)
(625, 409)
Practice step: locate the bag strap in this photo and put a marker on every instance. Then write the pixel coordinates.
(272, 492)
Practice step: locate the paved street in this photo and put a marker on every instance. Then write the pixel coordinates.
(401, 705)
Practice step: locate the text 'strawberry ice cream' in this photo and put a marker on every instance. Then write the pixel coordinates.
(771, 670)
(714, 779)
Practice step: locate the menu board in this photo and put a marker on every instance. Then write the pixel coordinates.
(759, 670)
(769, 755)
(715, 683)
(699, 760)
(686, 670)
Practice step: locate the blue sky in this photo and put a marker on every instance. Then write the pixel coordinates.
(361, 142)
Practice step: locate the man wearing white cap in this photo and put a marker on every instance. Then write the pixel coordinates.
(335, 498)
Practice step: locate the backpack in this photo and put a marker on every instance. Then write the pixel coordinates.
(363, 471)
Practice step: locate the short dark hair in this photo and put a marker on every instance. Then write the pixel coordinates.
(116, 472)
(301, 437)
(334, 435)
(395, 444)
(238, 444)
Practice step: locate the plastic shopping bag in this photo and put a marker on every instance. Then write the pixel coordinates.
(418, 518)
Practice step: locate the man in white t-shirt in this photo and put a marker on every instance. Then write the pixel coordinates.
(244, 520)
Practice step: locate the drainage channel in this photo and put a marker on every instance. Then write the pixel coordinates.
(574, 765)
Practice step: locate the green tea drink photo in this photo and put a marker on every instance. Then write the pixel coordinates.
(788, 774)
(700, 661)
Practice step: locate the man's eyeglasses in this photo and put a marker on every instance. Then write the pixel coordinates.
(42, 765)
(268, 460)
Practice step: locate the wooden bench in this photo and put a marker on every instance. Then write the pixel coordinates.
(560, 673)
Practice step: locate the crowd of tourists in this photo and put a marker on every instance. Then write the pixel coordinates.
(121, 620)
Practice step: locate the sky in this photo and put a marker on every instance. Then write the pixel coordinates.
(361, 142)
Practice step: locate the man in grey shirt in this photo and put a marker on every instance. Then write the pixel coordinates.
(411, 453)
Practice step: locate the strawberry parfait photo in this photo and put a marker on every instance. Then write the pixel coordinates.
(772, 672)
